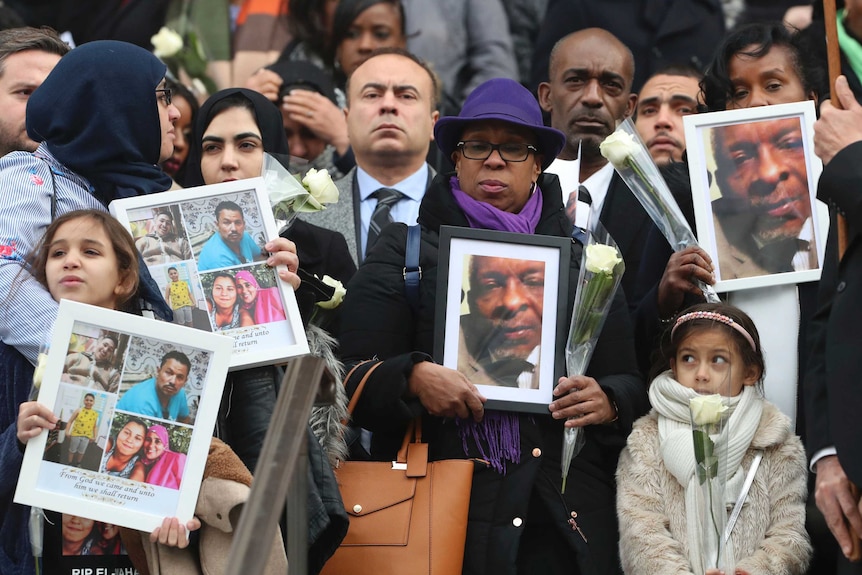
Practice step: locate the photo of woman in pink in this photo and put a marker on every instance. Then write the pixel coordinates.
(263, 304)
(163, 466)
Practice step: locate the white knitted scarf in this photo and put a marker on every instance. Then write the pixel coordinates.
(671, 401)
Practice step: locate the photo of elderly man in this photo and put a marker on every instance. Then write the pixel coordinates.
(763, 219)
(501, 336)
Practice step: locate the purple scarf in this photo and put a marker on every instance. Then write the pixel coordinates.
(485, 216)
(498, 435)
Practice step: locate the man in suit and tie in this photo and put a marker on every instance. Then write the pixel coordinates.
(391, 109)
(587, 94)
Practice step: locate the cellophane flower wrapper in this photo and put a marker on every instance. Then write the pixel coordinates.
(599, 278)
(631, 159)
(709, 434)
(287, 196)
(37, 515)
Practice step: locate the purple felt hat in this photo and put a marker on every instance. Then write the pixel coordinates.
(505, 100)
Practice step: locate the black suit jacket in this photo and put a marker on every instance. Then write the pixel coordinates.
(833, 381)
(625, 219)
(321, 252)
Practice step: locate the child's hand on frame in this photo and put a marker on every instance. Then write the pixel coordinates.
(172, 534)
(33, 417)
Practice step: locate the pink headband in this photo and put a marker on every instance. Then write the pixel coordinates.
(711, 315)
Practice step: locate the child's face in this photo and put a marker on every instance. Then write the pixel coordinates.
(174, 275)
(82, 265)
(88, 402)
(708, 361)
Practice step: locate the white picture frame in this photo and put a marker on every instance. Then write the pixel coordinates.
(271, 330)
(87, 490)
(738, 228)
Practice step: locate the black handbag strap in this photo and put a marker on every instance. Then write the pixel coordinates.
(412, 271)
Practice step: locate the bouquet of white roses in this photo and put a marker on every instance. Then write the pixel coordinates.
(707, 422)
(602, 269)
(625, 150)
(288, 196)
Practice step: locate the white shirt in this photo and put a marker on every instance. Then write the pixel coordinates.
(569, 173)
(405, 210)
(802, 257)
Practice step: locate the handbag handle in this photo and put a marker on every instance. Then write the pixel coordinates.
(355, 399)
(414, 428)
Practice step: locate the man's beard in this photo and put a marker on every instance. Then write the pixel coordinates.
(589, 144)
(16, 144)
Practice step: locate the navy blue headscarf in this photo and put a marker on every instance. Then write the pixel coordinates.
(97, 112)
(266, 114)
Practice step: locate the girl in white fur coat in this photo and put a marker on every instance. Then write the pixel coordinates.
(711, 346)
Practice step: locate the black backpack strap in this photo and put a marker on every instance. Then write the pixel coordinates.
(412, 272)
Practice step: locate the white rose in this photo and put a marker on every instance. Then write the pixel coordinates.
(166, 43)
(320, 185)
(618, 147)
(706, 409)
(602, 259)
(339, 294)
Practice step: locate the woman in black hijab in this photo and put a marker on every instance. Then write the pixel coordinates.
(265, 116)
(233, 130)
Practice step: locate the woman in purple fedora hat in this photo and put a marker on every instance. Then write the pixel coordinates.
(519, 521)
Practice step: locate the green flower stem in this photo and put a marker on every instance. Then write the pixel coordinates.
(707, 471)
(714, 523)
(595, 296)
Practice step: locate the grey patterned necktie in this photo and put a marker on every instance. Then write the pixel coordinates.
(386, 198)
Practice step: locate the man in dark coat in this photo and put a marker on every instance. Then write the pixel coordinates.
(833, 399)
(589, 92)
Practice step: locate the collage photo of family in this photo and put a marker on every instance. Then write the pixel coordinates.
(127, 406)
(207, 257)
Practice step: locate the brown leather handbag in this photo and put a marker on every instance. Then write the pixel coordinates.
(406, 516)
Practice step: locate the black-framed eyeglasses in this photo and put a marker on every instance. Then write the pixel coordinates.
(510, 151)
(165, 95)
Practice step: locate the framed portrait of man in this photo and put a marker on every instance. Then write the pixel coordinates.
(132, 454)
(754, 183)
(501, 302)
(203, 247)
